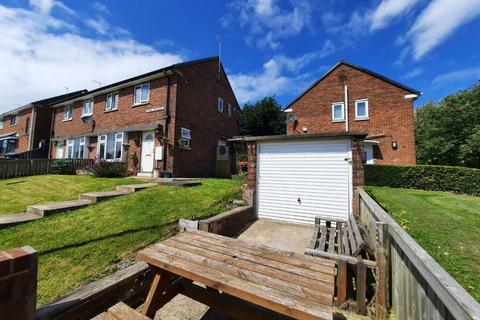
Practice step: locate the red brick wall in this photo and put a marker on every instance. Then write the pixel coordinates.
(196, 109)
(390, 114)
(18, 283)
(19, 128)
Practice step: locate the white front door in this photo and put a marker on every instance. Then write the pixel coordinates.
(298, 180)
(148, 151)
(59, 150)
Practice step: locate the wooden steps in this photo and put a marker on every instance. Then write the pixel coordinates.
(121, 311)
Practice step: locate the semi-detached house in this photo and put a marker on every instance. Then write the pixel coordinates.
(176, 119)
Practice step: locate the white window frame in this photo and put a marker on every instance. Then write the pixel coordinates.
(12, 121)
(229, 109)
(68, 107)
(366, 109)
(1, 123)
(186, 133)
(141, 101)
(71, 144)
(85, 102)
(114, 96)
(103, 139)
(341, 103)
(220, 107)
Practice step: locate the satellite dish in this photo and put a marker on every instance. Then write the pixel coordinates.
(292, 118)
(87, 119)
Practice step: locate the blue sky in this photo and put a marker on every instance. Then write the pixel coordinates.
(268, 46)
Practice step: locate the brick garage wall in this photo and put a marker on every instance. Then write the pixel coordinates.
(390, 114)
(19, 128)
(18, 283)
(196, 109)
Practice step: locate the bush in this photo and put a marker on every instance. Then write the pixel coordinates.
(106, 169)
(435, 178)
(61, 166)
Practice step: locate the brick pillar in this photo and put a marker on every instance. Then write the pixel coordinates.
(249, 188)
(18, 283)
(358, 178)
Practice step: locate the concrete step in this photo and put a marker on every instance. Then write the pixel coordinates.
(16, 218)
(136, 187)
(176, 183)
(102, 195)
(56, 207)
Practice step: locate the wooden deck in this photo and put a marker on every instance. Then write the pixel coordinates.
(290, 284)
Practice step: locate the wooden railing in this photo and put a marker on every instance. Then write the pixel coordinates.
(18, 168)
(420, 288)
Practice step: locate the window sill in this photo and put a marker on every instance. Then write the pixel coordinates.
(87, 115)
(67, 120)
(113, 110)
(362, 119)
(338, 121)
(140, 104)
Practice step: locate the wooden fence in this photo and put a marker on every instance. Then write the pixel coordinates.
(420, 288)
(18, 168)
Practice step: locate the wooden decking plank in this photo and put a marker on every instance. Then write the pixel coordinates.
(255, 293)
(193, 247)
(289, 257)
(332, 233)
(323, 238)
(346, 246)
(246, 274)
(351, 238)
(313, 241)
(259, 260)
(121, 311)
(103, 316)
(340, 238)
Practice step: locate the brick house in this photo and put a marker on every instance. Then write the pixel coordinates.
(352, 98)
(28, 127)
(183, 113)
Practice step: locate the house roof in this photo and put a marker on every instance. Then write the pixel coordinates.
(46, 102)
(303, 136)
(140, 78)
(370, 72)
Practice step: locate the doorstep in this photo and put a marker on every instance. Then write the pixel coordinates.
(145, 174)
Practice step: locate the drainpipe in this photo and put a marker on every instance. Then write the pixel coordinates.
(345, 89)
(165, 127)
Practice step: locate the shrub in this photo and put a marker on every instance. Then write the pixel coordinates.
(61, 166)
(435, 178)
(106, 169)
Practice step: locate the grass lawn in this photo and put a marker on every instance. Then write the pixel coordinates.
(446, 225)
(18, 193)
(83, 245)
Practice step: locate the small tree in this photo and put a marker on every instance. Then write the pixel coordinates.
(265, 117)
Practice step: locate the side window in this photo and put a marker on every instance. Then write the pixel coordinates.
(361, 109)
(229, 110)
(220, 105)
(338, 111)
(14, 120)
(185, 138)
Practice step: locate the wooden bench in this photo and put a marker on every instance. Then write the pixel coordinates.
(121, 311)
(343, 242)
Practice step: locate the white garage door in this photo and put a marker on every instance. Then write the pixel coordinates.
(298, 180)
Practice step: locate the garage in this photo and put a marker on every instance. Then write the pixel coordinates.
(294, 178)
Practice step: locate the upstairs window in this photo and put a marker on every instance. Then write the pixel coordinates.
(87, 108)
(68, 112)
(361, 109)
(185, 138)
(338, 111)
(27, 126)
(111, 102)
(229, 109)
(1, 124)
(141, 93)
(14, 120)
(220, 105)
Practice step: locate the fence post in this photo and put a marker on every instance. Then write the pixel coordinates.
(382, 256)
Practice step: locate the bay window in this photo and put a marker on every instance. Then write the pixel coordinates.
(110, 146)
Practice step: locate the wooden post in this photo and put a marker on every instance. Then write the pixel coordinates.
(361, 284)
(341, 281)
(382, 256)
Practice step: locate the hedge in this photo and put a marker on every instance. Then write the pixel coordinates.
(426, 177)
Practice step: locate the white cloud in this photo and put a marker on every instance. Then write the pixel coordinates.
(100, 7)
(439, 20)
(279, 76)
(457, 77)
(414, 73)
(267, 22)
(387, 10)
(44, 6)
(44, 53)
